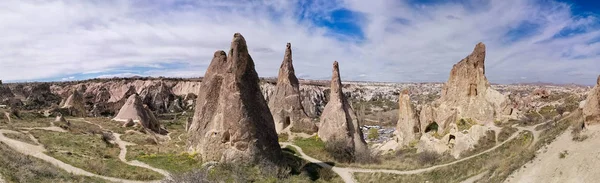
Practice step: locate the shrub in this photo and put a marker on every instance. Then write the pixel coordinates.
(428, 157)
(340, 151)
(373, 134)
(563, 155)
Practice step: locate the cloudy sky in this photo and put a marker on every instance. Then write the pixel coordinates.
(382, 40)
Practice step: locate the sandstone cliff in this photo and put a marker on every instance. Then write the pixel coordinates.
(285, 103)
(232, 122)
(339, 121)
(591, 110)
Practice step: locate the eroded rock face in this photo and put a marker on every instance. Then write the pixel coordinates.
(40, 96)
(136, 111)
(467, 94)
(408, 127)
(591, 109)
(75, 104)
(339, 121)
(285, 102)
(232, 122)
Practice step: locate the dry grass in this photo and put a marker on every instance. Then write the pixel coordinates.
(20, 137)
(16, 167)
(87, 151)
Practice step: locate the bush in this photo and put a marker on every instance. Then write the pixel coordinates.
(563, 154)
(428, 157)
(373, 134)
(340, 151)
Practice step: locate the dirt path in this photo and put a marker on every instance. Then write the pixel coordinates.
(580, 161)
(346, 172)
(123, 153)
(123, 146)
(37, 151)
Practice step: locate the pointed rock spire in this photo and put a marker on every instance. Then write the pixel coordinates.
(232, 122)
(408, 126)
(338, 120)
(285, 103)
(591, 109)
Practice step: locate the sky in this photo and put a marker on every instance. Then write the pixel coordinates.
(556, 41)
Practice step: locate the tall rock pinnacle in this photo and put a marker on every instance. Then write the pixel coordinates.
(408, 126)
(285, 103)
(338, 120)
(232, 122)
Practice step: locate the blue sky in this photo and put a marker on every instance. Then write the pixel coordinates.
(388, 40)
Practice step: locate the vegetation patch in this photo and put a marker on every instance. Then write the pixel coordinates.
(373, 134)
(174, 163)
(465, 124)
(495, 161)
(20, 137)
(486, 142)
(16, 167)
(89, 152)
(505, 133)
(283, 137)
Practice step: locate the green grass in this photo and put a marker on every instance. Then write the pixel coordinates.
(16, 167)
(20, 137)
(283, 137)
(313, 147)
(88, 151)
(174, 163)
(108, 124)
(465, 124)
(373, 134)
(505, 133)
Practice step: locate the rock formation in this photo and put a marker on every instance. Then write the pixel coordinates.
(591, 109)
(467, 100)
(285, 104)
(135, 110)
(75, 104)
(232, 122)
(407, 128)
(40, 96)
(467, 94)
(338, 121)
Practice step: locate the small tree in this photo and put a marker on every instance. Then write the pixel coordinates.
(373, 134)
(560, 110)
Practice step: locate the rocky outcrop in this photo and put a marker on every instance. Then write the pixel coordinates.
(232, 122)
(467, 94)
(339, 121)
(157, 97)
(75, 105)
(285, 103)
(591, 109)
(408, 128)
(135, 110)
(468, 101)
(40, 96)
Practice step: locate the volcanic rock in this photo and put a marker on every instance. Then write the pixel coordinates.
(40, 96)
(139, 113)
(467, 94)
(407, 128)
(232, 122)
(75, 104)
(285, 104)
(339, 121)
(591, 109)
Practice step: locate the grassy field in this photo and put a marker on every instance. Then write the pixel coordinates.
(406, 159)
(20, 137)
(16, 167)
(87, 151)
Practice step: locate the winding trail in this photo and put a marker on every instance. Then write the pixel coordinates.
(38, 151)
(346, 172)
(123, 153)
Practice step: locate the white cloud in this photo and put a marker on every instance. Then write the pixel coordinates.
(403, 42)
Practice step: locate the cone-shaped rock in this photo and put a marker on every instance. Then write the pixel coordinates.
(591, 109)
(232, 122)
(408, 127)
(467, 94)
(75, 104)
(285, 103)
(135, 110)
(338, 120)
